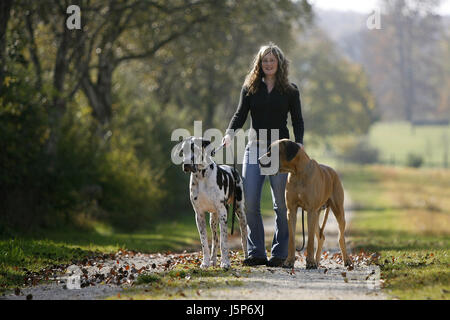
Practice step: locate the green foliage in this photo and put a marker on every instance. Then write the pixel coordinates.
(355, 150)
(117, 181)
(336, 99)
(23, 132)
(201, 73)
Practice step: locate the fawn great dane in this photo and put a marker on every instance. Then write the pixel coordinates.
(311, 186)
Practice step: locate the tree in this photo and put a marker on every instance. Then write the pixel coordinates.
(5, 8)
(336, 99)
(403, 58)
(200, 73)
(114, 32)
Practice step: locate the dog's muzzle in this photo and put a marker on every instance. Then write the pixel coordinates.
(189, 168)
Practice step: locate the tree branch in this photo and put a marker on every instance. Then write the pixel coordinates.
(33, 50)
(156, 47)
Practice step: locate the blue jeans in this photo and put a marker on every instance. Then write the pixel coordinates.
(253, 183)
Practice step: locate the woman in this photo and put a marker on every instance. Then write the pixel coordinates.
(269, 97)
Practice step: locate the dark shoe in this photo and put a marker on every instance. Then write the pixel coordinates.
(254, 261)
(275, 262)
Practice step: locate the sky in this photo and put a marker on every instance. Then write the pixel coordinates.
(365, 6)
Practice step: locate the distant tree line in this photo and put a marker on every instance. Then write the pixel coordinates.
(407, 60)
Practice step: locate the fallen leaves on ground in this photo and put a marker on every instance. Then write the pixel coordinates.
(118, 268)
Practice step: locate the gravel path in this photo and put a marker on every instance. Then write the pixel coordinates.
(108, 275)
(331, 281)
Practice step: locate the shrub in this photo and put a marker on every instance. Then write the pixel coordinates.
(357, 150)
(414, 160)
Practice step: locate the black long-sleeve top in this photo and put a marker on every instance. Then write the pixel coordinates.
(269, 111)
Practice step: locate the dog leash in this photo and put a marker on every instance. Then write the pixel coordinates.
(234, 203)
(303, 229)
(219, 147)
(233, 212)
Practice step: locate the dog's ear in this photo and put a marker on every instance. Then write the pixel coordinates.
(178, 149)
(291, 149)
(205, 143)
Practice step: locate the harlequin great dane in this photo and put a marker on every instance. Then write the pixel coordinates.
(212, 189)
(311, 186)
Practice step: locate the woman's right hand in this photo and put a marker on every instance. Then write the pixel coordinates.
(226, 140)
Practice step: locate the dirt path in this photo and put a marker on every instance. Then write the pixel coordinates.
(331, 281)
(111, 274)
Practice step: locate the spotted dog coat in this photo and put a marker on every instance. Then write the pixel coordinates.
(212, 188)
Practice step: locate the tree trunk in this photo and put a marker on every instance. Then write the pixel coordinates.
(99, 93)
(58, 108)
(5, 9)
(404, 47)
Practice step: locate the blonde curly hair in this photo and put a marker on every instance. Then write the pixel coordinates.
(254, 77)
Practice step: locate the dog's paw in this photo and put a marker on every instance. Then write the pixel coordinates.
(348, 262)
(205, 265)
(311, 265)
(288, 263)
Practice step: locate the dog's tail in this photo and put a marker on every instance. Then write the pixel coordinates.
(324, 222)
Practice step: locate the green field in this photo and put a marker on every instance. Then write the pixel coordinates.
(398, 139)
(395, 142)
(403, 214)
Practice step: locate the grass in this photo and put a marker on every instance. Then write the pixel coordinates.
(403, 214)
(34, 252)
(398, 139)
